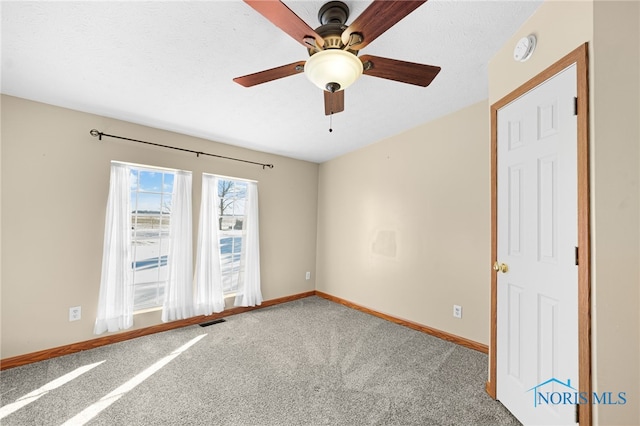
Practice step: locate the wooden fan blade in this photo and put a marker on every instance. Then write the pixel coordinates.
(333, 102)
(271, 74)
(378, 18)
(402, 71)
(285, 19)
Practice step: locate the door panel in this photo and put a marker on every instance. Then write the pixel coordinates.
(515, 210)
(547, 209)
(515, 332)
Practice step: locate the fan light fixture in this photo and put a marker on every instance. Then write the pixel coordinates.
(333, 63)
(333, 69)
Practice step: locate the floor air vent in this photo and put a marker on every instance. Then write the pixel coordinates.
(207, 324)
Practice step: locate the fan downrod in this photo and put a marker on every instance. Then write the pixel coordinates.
(333, 12)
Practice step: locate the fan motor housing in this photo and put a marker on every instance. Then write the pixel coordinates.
(332, 36)
(333, 18)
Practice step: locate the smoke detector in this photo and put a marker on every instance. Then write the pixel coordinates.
(524, 48)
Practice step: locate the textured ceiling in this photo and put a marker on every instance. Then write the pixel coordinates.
(170, 65)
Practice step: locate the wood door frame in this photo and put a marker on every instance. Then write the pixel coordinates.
(579, 57)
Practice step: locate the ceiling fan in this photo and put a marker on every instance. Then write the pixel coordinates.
(333, 47)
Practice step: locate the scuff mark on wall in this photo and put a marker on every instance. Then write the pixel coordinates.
(384, 243)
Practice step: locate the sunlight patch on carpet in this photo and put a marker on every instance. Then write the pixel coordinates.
(94, 409)
(43, 390)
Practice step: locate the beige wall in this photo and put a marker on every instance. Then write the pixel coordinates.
(616, 168)
(611, 28)
(404, 226)
(559, 26)
(0, 229)
(55, 179)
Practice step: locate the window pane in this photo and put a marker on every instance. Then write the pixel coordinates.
(238, 224)
(150, 181)
(224, 187)
(151, 202)
(166, 205)
(237, 244)
(168, 183)
(147, 202)
(145, 295)
(227, 223)
(226, 245)
(133, 174)
(148, 257)
(239, 194)
(164, 227)
(231, 209)
(230, 253)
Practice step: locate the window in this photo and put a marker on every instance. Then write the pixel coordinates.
(151, 200)
(147, 254)
(232, 201)
(228, 258)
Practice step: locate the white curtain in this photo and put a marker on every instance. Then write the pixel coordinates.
(115, 303)
(208, 275)
(178, 293)
(249, 293)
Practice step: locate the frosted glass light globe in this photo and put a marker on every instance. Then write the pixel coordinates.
(333, 66)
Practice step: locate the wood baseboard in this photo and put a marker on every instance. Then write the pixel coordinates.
(29, 358)
(419, 327)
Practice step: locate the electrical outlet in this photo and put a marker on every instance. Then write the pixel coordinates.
(75, 313)
(457, 311)
(308, 276)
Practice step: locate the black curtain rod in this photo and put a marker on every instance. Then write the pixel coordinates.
(99, 135)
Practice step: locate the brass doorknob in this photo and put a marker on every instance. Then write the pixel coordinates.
(500, 267)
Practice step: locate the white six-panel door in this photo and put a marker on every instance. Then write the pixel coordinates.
(537, 299)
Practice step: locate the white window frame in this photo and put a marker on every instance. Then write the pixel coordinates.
(163, 244)
(236, 267)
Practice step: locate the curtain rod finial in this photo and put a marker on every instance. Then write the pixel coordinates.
(94, 133)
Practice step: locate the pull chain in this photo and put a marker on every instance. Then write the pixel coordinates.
(331, 122)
